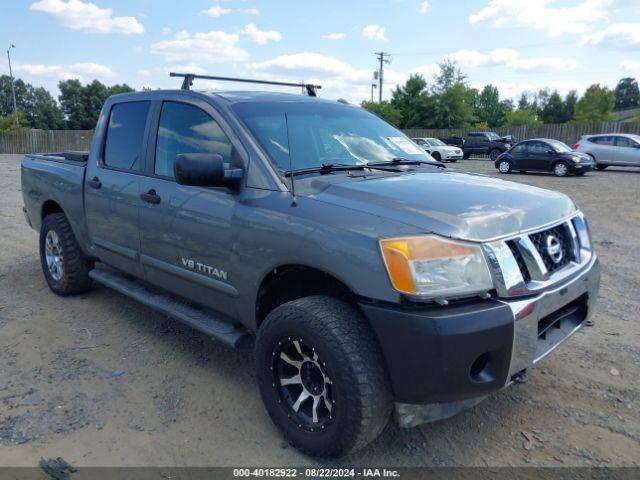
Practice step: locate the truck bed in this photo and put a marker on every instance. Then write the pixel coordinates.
(55, 182)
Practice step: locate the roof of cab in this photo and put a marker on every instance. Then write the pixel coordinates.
(257, 96)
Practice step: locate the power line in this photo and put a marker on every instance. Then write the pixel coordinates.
(532, 45)
(382, 58)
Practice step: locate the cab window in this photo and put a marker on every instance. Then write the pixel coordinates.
(187, 129)
(125, 132)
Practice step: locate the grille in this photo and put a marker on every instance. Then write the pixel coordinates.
(539, 241)
(518, 256)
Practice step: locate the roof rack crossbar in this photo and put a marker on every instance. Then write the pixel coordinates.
(189, 77)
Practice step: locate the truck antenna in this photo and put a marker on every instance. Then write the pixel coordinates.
(294, 202)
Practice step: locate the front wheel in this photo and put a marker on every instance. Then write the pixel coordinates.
(65, 267)
(561, 169)
(322, 376)
(601, 167)
(504, 166)
(494, 154)
(436, 156)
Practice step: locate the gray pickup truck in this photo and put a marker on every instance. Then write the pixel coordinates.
(369, 280)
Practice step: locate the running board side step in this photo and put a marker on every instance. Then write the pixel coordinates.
(197, 318)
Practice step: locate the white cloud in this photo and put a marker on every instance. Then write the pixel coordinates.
(617, 36)
(310, 64)
(374, 32)
(217, 11)
(81, 71)
(631, 66)
(506, 57)
(207, 47)
(424, 7)
(166, 31)
(261, 37)
(334, 36)
(542, 15)
(250, 11)
(513, 90)
(87, 17)
(144, 72)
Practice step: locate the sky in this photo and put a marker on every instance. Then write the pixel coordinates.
(517, 45)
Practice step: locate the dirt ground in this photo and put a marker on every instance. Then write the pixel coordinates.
(100, 380)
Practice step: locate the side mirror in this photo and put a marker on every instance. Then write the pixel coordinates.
(550, 152)
(205, 170)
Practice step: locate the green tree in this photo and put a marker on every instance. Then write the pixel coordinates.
(453, 99)
(13, 122)
(489, 108)
(627, 94)
(414, 103)
(595, 105)
(37, 105)
(570, 105)
(523, 102)
(522, 116)
(554, 111)
(385, 110)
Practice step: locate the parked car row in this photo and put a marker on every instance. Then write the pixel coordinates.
(539, 154)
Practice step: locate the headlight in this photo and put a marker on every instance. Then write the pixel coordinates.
(433, 267)
(575, 158)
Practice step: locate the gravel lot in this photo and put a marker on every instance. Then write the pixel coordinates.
(100, 380)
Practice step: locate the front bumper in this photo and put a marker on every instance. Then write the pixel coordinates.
(444, 359)
(582, 167)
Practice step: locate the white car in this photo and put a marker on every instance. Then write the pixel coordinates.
(439, 150)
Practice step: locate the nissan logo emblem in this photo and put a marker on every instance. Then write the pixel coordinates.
(554, 248)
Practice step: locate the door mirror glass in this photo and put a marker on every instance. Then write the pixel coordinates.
(204, 170)
(550, 152)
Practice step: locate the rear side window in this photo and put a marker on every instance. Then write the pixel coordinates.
(606, 140)
(187, 129)
(125, 132)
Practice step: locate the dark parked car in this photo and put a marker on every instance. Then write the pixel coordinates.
(453, 141)
(544, 155)
(485, 143)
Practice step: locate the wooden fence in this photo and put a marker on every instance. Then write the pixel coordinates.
(40, 141)
(569, 133)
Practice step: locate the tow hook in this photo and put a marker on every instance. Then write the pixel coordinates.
(521, 377)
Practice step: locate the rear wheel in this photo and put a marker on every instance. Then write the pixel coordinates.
(466, 156)
(65, 267)
(322, 376)
(561, 169)
(494, 154)
(504, 166)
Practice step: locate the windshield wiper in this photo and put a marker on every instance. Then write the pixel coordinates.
(402, 161)
(326, 168)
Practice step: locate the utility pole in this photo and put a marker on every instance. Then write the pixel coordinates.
(381, 56)
(13, 88)
(373, 87)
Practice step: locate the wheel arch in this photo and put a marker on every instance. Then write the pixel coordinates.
(49, 207)
(289, 282)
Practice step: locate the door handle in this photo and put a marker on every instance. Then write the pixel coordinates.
(95, 183)
(150, 197)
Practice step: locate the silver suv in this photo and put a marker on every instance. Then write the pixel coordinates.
(618, 149)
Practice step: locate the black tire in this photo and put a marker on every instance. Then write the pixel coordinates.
(71, 275)
(580, 174)
(436, 156)
(504, 166)
(599, 166)
(494, 154)
(561, 169)
(349, 354)
(466, 156)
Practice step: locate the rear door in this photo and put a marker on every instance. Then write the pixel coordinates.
(627, 151)
(186, 232)
(112, 193)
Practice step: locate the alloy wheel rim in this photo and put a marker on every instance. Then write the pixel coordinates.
(53, 255)
(303, 386)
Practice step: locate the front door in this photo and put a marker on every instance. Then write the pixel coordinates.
(186, 231)
(112, 192)
(539, 156)
(627, 151)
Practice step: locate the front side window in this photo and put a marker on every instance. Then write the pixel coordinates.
(125, 132)
(187, 129)
(538, 148)
(624, 142)
(308, 135)
(520, 148)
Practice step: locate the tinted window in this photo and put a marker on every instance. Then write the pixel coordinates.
(538, 148)
(123, 148)
(520, 148)
(624, 142)
(607, 140)
(187, 129)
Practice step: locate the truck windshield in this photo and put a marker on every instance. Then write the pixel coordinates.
(315, 134)
(493, 136)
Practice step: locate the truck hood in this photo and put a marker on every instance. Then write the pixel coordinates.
(456, 205)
